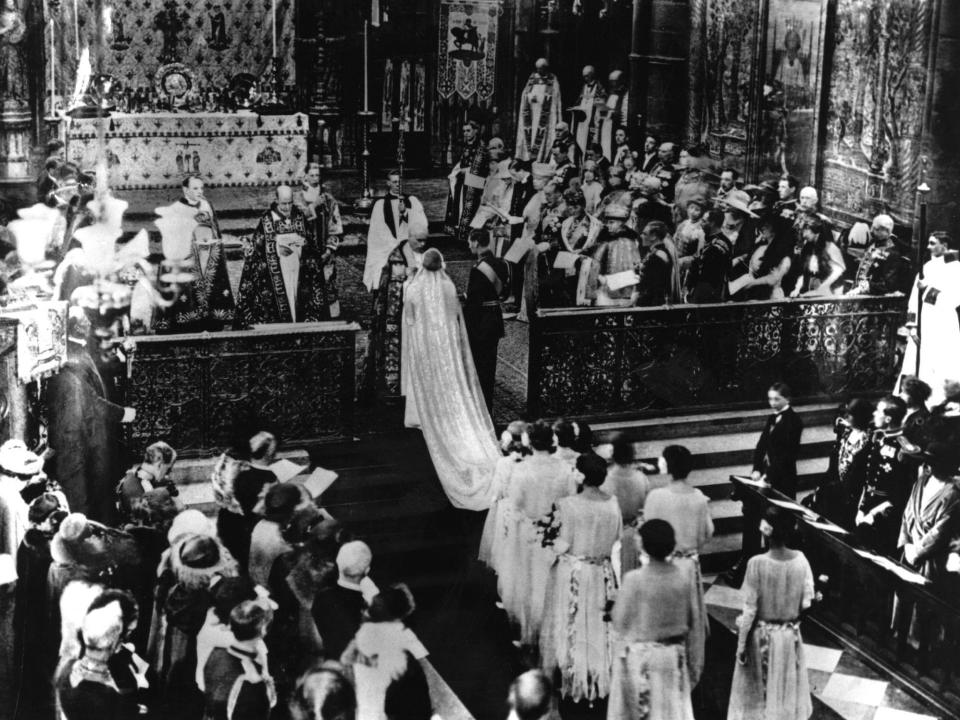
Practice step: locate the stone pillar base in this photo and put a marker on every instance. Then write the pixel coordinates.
(15, 130)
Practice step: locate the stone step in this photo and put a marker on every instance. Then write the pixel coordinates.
(715, 423)
(715, 482)
(733, 449)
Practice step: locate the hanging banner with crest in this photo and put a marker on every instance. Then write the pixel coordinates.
(468, 49)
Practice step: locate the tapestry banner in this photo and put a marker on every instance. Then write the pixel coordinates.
(41, 339)
(466, 61)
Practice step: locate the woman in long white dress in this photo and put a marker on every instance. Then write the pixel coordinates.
(515, 447)
(630, 487)
(538, 482)
(770, 677)
(443, 394)
(651, 620)
(575, 638)
(687, 511)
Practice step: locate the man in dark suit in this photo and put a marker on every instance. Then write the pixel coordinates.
(774, 462)
(47, 182)
(482, 313)
(338, 609)
(775, 458)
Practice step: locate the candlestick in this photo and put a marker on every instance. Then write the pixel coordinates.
(273, 5)
(366, 67)
(53, 67)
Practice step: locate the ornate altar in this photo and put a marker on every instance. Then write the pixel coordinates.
(592, 362)
(191, 389)
(154, 150)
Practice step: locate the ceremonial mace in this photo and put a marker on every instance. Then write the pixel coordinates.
(364, 203)
(922, 190)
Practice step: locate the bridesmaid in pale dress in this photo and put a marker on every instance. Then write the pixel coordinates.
(687, 511)
(538, 482)
(514, 444)
(575, 639)
(651, 620)
(566, 435)
(629, 486)
(770, 677)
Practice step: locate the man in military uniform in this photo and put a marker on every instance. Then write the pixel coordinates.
(666, 170)
(786, 204)
(482, 314)
(889, 479)
(885, 265)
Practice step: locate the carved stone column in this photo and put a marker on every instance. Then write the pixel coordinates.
(16, 121)
(944, 137)
(698, 11)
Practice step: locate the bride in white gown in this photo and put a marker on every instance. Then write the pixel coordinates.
(440, 383)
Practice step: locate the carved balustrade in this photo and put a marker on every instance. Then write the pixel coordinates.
(604, 362)
(191, 389)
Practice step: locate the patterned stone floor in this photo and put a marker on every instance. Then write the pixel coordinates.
(841, 681)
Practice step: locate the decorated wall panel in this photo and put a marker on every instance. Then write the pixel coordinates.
(791, 91)
(216, 40)
(730, 29)
(877, 106)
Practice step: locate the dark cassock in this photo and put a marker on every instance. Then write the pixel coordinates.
(467, 182)
(207, 303)
(34, 656)
(324, 210)
(282, 279)
(84, 431)
(483, 317)
(383, 358)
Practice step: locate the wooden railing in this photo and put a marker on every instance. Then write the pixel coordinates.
(868, 606)
(610, 362)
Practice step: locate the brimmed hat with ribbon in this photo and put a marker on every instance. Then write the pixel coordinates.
(17, 460)
(740, 201)
(616, 211)
(80, 541)
(196, 560)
